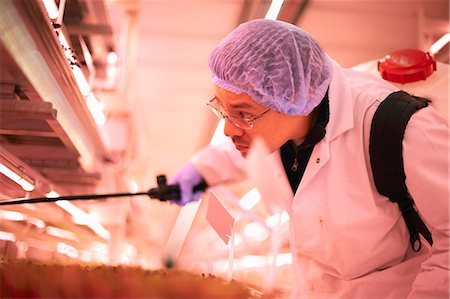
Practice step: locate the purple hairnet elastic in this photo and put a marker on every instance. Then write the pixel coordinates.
(278, 64)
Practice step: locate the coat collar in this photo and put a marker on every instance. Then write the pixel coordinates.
(341, 104)
(341, 120)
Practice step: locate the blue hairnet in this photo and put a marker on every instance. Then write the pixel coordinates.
(278, 64)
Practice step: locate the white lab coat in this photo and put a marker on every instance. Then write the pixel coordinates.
(347, 240)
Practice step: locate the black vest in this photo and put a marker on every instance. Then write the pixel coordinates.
(295, 158)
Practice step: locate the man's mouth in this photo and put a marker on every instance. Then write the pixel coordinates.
(240, 147)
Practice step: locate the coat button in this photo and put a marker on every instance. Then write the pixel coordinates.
(318, 160)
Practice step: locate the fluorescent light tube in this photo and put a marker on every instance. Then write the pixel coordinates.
(96, 109)
(27, 184)
(439, 44)
(274, 9)
(51, 8)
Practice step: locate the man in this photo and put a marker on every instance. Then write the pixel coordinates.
(272, 80)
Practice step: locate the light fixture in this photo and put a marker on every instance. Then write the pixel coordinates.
(36, 222)
(65, 44)
(274, 9)
(250, 199)
(17, 174)
(272, 220)
(68, 250)
(256, 232)
(96, 109)
(52, 194)
(83, 84)
(81, 80)
(133, 186)
(61, 233)
(51, 8)
(111, 68)
(111, 58)
(440, 43)
(7, 236)
(11, 215)
(81, 217)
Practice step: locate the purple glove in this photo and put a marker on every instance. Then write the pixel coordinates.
(187, 178)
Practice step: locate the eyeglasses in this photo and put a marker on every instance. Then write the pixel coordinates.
(242, 121)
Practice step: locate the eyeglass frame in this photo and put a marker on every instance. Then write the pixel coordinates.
(223, 115)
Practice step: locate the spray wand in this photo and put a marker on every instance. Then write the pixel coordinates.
(163, 192)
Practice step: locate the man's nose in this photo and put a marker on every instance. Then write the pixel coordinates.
(230, 129)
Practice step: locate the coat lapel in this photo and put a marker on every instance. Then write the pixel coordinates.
(341, 120)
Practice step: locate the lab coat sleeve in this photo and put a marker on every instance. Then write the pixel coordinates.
(426, 164)
(220, 164)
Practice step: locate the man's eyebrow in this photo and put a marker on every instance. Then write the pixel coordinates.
(241, 106)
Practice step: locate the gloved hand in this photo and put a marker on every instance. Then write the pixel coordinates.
(187, 178)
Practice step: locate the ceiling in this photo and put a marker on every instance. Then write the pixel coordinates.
(154, 105)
